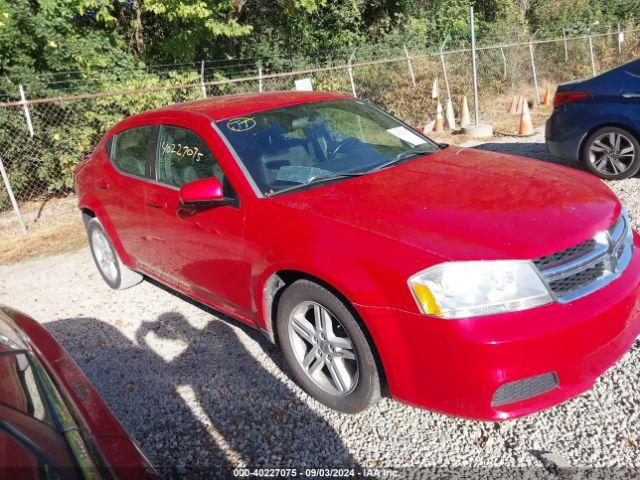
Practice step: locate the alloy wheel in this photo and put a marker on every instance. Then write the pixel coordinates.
(612, 153)
(323, 349)
(105, 258)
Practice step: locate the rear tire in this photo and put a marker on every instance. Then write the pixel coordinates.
(612, 153)
(115, 273)
(326, 349)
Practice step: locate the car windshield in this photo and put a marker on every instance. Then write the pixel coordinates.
(29, 439)
(299, 145)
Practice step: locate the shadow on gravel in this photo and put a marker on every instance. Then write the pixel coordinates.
(196, 401)
(267, 347)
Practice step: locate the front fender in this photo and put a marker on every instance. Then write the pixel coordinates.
(365, 268)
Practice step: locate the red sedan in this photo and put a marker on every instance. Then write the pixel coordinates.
(469, 282)
(53, 424)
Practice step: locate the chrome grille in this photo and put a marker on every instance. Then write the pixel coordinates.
(571, 283)
(565, 256)
(584, 268)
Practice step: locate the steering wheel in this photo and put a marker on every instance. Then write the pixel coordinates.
(342, 145)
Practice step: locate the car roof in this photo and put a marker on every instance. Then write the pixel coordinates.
(229, 106)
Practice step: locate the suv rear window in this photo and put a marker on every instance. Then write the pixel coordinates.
(129, 150)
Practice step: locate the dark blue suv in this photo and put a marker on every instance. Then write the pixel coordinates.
(597, 121)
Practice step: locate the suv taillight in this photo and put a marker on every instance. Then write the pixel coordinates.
(560, 98)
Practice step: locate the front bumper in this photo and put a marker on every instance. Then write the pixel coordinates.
(456, 366)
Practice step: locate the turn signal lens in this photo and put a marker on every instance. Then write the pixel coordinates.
(426, 300)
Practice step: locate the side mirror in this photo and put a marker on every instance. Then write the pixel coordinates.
(203, 192)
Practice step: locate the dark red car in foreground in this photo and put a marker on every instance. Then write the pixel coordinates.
(465, 281)
(53, 424)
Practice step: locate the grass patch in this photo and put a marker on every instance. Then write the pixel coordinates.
(65, 236)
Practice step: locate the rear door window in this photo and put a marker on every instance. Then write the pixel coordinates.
(129, 150)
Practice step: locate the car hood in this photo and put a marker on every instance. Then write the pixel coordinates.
(468, 204)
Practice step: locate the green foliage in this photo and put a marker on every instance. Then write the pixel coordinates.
(63, 47)
(179, 30)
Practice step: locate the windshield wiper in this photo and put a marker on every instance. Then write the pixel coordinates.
(316, 181)
(400, 157)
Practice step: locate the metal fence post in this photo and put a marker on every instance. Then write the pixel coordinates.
(533, 70)
(202, 86)
(593, 63)
(504, 62)
(473, 68)
(16, 210)
(566, 51)
(619, 38)
(25, 109)
(406, 54)
(350, 69)
(260, 86)
(444, 68)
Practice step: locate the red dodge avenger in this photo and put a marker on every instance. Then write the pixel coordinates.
(464, 281)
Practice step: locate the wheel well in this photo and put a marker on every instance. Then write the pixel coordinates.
(277, 284)
(598, 127)
(87, 214)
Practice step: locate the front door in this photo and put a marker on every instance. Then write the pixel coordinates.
(197, 249)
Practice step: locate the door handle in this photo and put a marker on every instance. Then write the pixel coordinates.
(631, 95)
(103, 184)
(155, 203)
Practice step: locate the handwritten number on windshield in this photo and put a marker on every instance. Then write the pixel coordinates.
(181, 150)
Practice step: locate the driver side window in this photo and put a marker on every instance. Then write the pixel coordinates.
(183, 157)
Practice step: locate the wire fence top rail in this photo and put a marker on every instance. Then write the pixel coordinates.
(306, 71)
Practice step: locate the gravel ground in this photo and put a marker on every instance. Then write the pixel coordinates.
(202, 395)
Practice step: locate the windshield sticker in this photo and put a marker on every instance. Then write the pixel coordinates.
(407, 135)
(241, 124)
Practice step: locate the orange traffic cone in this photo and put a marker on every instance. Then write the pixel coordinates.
(513, 109)
(547, 99)
(465, 118)
(439, 127)
(526, 126)
(519, 107)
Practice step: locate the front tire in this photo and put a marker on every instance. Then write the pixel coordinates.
(612, 153)
(115, 273)
(326, 349)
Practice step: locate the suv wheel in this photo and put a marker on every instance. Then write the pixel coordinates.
(116, 274)
(326, 349)
(612, 153)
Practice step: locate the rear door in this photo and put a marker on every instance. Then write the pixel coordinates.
(120, 186)
(198, 249)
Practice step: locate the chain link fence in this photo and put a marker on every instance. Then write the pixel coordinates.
(43, 139)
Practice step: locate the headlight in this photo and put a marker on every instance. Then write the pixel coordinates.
(471, 289)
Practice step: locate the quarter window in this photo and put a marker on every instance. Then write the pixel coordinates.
(129, 150)
(184, 157)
